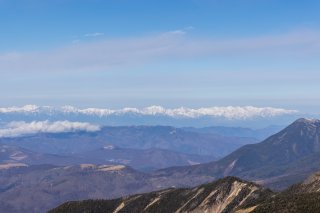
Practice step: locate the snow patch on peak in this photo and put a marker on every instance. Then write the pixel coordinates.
(308, 120)
(310, 124)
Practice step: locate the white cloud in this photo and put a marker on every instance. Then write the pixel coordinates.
(229, 112)
(103, 55)
(189, 28)
(76, 41)
(15, 129)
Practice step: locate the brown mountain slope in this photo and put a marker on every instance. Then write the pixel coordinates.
(281, 160)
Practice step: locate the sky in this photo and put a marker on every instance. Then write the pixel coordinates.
(192, 53)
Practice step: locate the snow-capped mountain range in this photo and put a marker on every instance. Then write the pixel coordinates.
(229, 112)
(248, 116)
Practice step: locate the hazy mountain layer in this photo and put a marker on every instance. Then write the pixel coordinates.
(39, 188)
(146, 160)
(259, 134)
(141, 159)
(132, 137)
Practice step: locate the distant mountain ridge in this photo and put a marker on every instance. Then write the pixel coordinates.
(259, 134)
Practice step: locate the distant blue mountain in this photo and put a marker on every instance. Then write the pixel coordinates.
(259, 134)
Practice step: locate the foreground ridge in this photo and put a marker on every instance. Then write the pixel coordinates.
(224, 195)
(229, 194)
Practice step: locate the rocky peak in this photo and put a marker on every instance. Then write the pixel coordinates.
(308, 121)
(302, 131)
(305, 123)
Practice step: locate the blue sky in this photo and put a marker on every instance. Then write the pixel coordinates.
(190, 53)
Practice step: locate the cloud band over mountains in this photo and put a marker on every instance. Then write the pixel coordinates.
(228, 112)
(20, 128)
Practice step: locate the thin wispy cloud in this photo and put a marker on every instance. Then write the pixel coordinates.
(189, 28)
(75, 41)
(175, 32)
(93, 34)
(103, 55)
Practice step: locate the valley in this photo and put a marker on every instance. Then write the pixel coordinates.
(279, 161)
